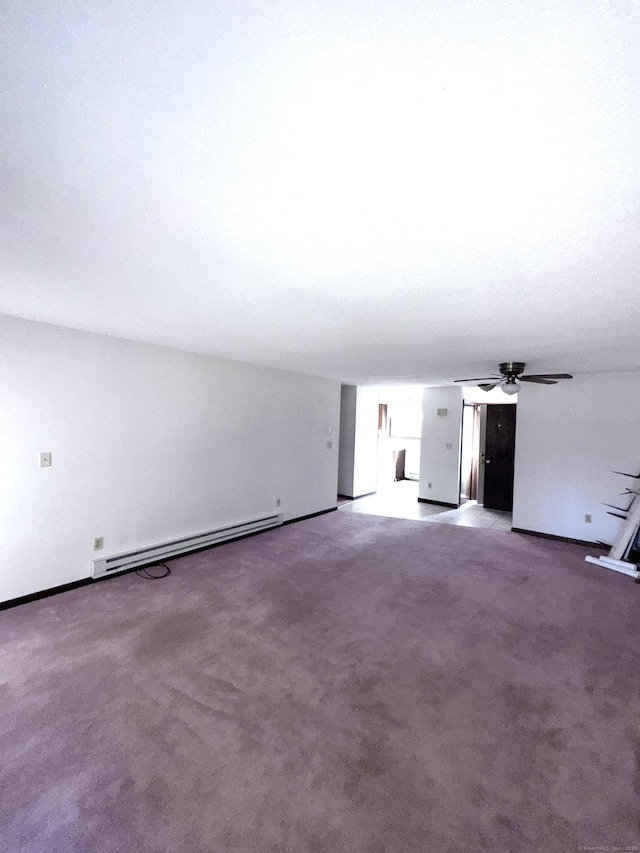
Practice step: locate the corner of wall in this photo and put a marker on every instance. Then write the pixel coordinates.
(441, 444)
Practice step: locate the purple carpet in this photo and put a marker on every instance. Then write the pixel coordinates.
(348, 683)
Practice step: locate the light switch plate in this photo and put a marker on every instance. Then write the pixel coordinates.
(45, 459)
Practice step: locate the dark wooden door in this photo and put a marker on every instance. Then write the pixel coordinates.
(499, 455)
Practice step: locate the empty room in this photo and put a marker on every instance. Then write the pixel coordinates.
(319, 427)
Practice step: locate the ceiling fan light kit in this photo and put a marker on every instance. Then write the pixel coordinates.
(511, 386)
(512, 374)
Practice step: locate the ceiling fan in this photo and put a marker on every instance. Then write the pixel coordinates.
(510, 371)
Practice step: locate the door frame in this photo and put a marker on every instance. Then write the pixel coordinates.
(478, 452)
(477, 425)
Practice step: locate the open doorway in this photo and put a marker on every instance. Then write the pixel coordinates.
(380, 436)
(399, 436)
(470, 452)
(488, 454)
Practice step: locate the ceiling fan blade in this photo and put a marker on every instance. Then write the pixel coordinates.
(547, 376)
(488, 387)
(535, 379)
(477, 379)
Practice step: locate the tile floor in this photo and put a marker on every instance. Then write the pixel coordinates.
(400, 500)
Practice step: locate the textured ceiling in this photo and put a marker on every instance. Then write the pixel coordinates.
(378, 192)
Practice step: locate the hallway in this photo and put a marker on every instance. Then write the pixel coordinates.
(400, 500)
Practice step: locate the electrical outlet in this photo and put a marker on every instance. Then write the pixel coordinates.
(587, 518)
(45, 459)
(278, 502)
(98, 542)
(449, 445)
(329, 445)
(428, 485)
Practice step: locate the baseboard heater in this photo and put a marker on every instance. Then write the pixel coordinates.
(155, 553)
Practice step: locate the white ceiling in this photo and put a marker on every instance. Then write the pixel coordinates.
(389, 191)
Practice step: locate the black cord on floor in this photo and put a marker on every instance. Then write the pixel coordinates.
(147, 573)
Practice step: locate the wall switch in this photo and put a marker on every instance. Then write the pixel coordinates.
(329, 445)
(587, 518)
(45, 460)
(442, 412)
(428, 485)
(278, 502)
(98, 542)
(449, 446)
(329, 430)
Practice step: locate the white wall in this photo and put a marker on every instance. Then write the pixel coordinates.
(569, 438)
(148, 444)
(357, 473)
(440, 465)
(366, 442)
(348, 397)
